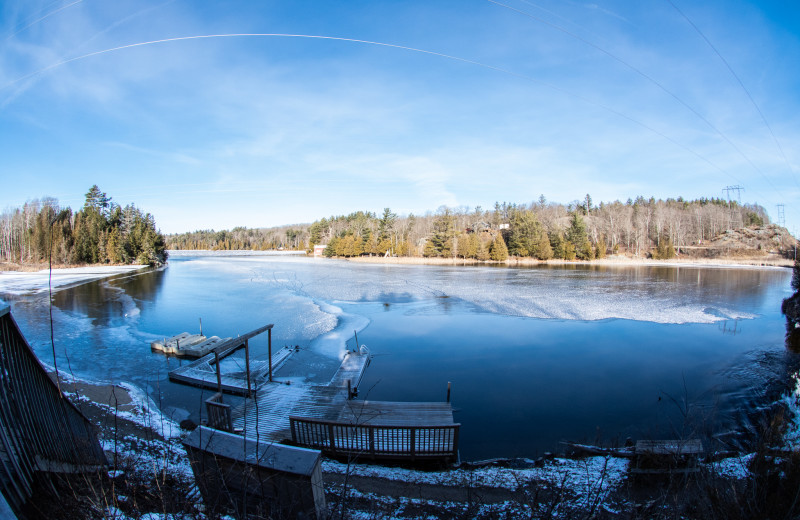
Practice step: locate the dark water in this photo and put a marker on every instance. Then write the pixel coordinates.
(535, 355)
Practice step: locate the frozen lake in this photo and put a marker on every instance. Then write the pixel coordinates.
(535, 355)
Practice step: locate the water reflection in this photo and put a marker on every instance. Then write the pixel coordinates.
(626, 350)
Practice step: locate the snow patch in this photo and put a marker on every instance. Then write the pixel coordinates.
(14, 282)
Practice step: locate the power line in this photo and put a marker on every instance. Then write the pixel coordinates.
(645, 76)
(741, 84)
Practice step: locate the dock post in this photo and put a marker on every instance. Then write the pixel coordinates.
(356, 335)
(201, 325)
(219, 375)
(269, 342)
(247, 366)
(448, 391)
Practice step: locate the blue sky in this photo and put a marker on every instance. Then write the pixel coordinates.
(458, 103)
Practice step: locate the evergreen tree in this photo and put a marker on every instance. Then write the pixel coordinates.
(557, 245)
(543, 249)
(665, 250)
(386, 224)
(576, 235)
(569, 250)
(483, 251)
(600, 248)
(498, 251)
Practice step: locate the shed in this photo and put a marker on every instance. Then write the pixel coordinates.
(255, 477)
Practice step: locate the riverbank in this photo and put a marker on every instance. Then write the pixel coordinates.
(33, 279)
(149, 472)
(617, 260)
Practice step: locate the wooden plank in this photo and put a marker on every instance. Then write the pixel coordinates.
(201, 374)
(397, 413)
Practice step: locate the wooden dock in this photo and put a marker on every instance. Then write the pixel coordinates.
(325, 417)
(267, 415)
(203, 373)
(207, 373)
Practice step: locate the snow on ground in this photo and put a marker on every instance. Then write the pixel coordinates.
(792, 401)
(734, 467)
(15, 282)
(582, 477)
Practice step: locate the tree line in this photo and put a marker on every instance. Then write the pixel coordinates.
(541, 229)
(102, 232)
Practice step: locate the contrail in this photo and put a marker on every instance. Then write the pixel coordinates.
(48, 15)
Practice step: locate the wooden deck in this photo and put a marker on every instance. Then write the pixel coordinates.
(206, 372)
(203, 373)
(393, 413)
(383, 430)
(325, 417)
(267, 415)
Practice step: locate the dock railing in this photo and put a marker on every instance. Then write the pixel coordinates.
(219, 413)
(417, 442)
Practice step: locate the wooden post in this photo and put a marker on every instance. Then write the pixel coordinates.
(201, 325)
(219, 375)
(247, 366)
(448, 391)
(356, 335)
(269, 341)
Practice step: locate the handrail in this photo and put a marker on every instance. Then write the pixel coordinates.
(377, 441)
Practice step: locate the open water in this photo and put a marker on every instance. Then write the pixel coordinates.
(535, 355)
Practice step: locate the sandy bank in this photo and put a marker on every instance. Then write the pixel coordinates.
(34, 281)
(766, 262)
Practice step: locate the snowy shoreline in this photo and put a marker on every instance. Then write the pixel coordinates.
(18, 282)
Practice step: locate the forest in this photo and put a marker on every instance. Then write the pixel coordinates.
(541, 229)
(102, 232)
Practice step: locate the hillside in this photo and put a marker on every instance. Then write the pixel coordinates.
(757, 242)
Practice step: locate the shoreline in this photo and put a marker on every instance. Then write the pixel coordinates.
(611, 261)
(17, 282)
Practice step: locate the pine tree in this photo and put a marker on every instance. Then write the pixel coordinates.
(543, 249)
(600, 248)
(498, 251)
(483, 251)
(576, 235)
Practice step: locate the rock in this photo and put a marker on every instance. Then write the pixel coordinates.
(188, 425)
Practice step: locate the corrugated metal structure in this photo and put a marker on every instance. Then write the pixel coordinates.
(40, 430)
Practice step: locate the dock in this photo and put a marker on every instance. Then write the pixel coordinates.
(268, 414)
(318, 416)
(206, 372)
(327, 418)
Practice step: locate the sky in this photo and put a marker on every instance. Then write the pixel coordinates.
(211, 115)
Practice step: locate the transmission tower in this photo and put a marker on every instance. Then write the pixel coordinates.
(728, 189)
(781, 216)
(738, 189)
